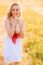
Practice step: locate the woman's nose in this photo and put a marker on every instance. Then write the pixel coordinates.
(15, 11)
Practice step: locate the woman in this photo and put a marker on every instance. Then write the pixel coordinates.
(14, 27)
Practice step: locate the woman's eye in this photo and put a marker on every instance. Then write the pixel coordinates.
(13, 9)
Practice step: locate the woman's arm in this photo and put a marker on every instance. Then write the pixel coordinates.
(22, 29)
(9, 28)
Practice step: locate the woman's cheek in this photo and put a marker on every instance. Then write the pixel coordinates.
(18, 14)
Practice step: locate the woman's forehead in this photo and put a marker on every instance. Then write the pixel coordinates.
(16, 7)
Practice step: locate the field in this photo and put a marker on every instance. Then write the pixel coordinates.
(33, 41)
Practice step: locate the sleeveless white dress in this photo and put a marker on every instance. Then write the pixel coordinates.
(12, 52)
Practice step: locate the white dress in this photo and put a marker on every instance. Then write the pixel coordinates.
(12, 52)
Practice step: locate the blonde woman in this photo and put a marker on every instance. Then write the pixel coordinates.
(14, 27)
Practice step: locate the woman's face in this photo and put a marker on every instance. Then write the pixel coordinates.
(15, 11)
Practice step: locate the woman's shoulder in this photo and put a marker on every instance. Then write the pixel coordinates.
(6, 21)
